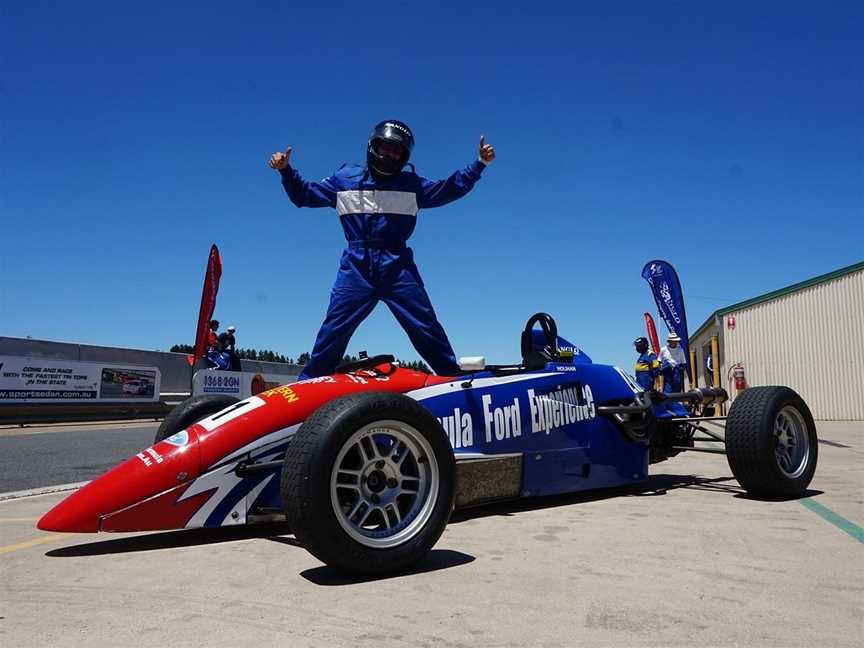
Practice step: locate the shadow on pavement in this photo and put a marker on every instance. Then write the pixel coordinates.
(807, 493)
(434, 560)
(655, 485)
(833, 443)
(276, 532)
(171, 540)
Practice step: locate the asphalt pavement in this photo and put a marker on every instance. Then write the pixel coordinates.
(687, 559)
(39, 456)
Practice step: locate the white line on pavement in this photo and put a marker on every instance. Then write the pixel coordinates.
(45, 490)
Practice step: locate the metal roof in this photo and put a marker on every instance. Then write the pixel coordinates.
(774, 294)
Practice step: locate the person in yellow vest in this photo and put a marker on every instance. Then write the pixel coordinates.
(647, 365)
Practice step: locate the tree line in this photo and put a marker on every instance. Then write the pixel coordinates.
(266, 355)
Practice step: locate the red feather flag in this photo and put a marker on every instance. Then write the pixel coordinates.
(652, 334)
(208, 300)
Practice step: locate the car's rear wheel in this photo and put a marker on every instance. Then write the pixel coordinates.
(190, 411)
(368, 483)
(771, 442)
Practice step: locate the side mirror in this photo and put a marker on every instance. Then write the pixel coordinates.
(472, 363)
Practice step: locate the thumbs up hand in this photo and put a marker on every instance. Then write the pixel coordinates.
(279, 160)
(487, 153)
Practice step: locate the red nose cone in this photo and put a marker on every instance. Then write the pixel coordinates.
(147, 474)
(71, 516)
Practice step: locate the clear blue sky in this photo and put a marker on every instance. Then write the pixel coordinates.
(727, 140)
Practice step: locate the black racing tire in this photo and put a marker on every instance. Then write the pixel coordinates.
(771, 442)
(325, 514)
(192, 410)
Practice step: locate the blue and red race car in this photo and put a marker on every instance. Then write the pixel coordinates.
(367, 464)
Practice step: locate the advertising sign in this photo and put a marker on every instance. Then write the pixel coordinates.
(652, 334)
(241, 384)
(666, 288)
(208, 300)
(49, 380)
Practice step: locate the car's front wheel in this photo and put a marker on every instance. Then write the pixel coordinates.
(368, 483)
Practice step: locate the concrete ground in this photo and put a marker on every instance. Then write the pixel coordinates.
(686, 561)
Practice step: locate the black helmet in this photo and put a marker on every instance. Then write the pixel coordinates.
(641, 344)
(214, 323)
(393, 131)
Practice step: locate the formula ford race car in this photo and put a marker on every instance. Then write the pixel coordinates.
(367, 464)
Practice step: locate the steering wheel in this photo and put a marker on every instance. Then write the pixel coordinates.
(364, 363)
(530, 355)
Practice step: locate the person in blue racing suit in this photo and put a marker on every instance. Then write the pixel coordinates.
(647, 365)
(377, 206)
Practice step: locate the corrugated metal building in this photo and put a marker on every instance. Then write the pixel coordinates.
(808, 336)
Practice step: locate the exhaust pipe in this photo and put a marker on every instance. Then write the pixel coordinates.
(643, 402)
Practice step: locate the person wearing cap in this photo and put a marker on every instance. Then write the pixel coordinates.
(673, 364)
(647, 365)
(227, 343)
(377, 204)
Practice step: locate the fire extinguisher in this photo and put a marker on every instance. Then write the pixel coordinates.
(740, 378)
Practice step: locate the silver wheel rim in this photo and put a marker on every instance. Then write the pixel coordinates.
(792, 443)
(384, 484)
